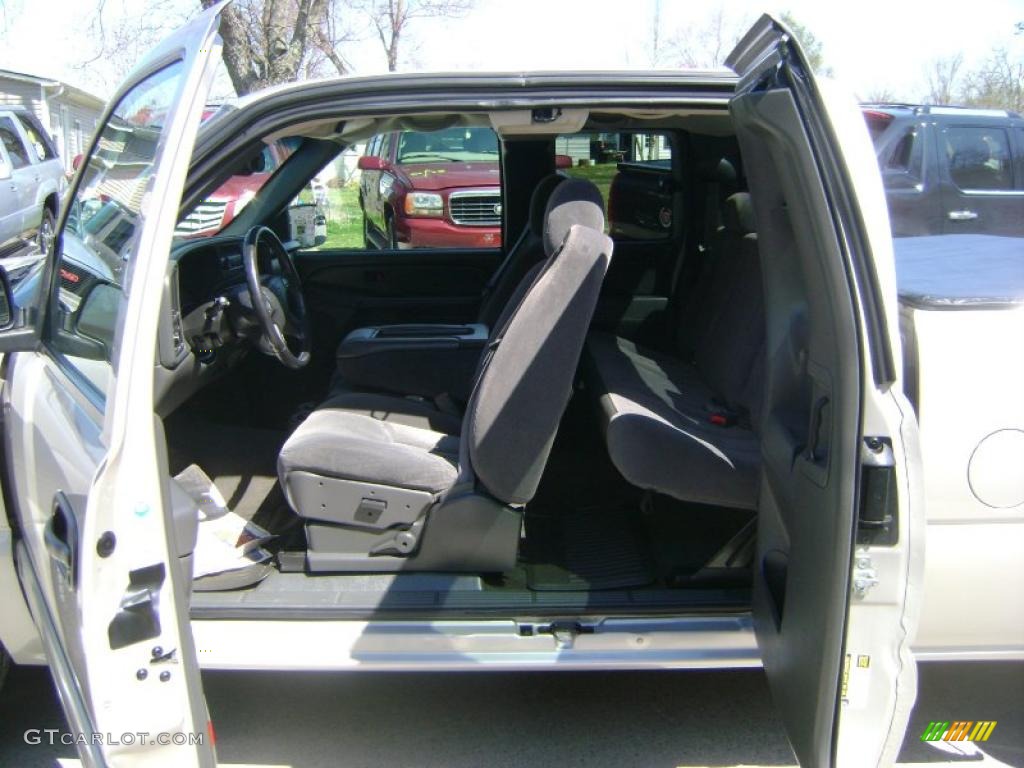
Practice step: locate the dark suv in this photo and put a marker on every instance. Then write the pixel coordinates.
(950, 169)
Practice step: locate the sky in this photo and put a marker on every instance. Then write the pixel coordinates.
(870, 45)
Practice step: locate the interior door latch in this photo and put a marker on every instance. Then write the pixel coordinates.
(877, 523)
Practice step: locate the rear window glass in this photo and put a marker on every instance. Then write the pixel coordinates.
(633, 172)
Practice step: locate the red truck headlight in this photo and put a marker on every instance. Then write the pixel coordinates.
(424, 204)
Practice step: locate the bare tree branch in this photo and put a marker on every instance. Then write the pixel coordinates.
(997, 83)
(391, 19)
(941, 75)
(705, 46)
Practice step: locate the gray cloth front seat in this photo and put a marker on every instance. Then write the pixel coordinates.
(382, 495)
(402, 390)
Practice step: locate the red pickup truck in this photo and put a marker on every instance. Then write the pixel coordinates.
(437, 189)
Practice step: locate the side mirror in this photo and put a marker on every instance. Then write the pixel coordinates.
(563, 161)
(96, 319)
(19, 319)
(370, 163)
(5, 169)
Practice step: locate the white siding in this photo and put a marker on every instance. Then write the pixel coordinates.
(576, 146)
(68, 121)
(16, 92)
(76, 127)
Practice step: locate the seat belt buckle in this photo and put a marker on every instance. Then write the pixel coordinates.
(720, 419)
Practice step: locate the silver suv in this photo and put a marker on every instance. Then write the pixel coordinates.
(31, 180)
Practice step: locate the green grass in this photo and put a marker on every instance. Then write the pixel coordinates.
(344, 218)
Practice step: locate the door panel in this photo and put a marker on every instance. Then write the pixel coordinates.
(830, 348)
(353, 289)
(90, 486)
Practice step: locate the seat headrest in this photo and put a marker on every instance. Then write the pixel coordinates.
(738, 215)
(539, 202)
(718, 170)
(573, 201)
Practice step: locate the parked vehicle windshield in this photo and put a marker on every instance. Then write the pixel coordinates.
(452, 145)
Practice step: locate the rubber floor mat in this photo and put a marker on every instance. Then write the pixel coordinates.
(587, 549)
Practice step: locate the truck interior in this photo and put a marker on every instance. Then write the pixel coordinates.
(570, 424)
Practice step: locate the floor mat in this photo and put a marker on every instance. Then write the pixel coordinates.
(587, 549)
(242, 462)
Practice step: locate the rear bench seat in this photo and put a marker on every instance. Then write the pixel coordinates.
(687, 426)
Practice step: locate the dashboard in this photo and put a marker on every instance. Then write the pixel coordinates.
(206, 327)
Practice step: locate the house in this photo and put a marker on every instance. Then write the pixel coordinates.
(70, 114)
(602, 147)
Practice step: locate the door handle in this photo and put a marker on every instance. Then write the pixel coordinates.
(814, 429)
(61, 539)
(963, 215)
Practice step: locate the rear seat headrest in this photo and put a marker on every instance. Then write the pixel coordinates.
(539, 202)
(738, 215)
(573, 201)
(718, 170)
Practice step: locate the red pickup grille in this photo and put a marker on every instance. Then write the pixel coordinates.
(475, 208)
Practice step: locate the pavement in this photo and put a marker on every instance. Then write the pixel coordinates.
(658, 719)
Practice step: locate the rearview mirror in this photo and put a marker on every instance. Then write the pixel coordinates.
(5, 170)
(370, 163)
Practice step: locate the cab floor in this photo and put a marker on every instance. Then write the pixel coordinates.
(592, 542)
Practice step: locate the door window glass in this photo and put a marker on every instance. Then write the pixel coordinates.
(219, 208)
(42, 147)
(427, 189)
(12, 143)
(98, 241)
(979, 158)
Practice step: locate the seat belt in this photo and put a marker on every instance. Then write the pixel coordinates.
(495, 277)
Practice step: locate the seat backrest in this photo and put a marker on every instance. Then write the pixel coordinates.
(526, 378)
(523, 255)
(731, 333)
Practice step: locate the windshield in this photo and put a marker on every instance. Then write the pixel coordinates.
(452, 145)
(220, 207)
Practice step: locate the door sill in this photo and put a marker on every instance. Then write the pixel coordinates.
(694, 642)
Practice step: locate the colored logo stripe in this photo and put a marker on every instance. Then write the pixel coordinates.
(961, 730)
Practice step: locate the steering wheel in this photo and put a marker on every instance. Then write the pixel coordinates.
(276, 300)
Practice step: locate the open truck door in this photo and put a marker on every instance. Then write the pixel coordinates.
(840, 529)
(103, 558)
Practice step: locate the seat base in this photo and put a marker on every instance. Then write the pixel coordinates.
(466, 533)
